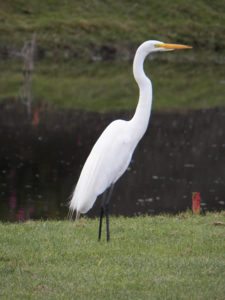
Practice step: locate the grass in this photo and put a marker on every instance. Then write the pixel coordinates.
(73, 35)
(160, 257)
(110, 86)
(81, 28)
(74, 68)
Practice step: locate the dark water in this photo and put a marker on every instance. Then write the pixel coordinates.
(41, 157)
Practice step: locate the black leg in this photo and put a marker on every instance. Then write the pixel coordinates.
(107, 222)
(100, 223)
(105, 210)
(102, 210)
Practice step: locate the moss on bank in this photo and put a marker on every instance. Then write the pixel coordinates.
(106, 29)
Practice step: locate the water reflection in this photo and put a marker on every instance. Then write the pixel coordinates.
(41, 158)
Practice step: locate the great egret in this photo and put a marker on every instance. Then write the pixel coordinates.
(111, 154)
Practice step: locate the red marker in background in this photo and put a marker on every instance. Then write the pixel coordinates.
(196, 203)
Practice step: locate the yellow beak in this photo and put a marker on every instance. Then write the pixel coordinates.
(173, 46)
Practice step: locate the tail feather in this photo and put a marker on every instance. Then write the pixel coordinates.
(77, 215)
(73, 208)
(70, 214)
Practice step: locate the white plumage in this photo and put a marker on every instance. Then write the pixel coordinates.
(112, 153)
(98, 173)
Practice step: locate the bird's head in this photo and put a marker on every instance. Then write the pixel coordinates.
(155, 46)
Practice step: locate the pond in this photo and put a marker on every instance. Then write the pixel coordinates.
(41, 156)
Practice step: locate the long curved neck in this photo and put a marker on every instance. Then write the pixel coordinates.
(140, 120)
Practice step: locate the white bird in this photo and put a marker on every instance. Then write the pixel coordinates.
(112, 153)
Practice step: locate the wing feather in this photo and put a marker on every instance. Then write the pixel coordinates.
(107, 161)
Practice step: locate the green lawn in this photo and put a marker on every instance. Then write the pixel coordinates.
(161, 257)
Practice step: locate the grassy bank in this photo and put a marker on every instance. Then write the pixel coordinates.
(162, 257)
(107, 86)
(85, 51)
(86, 29)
